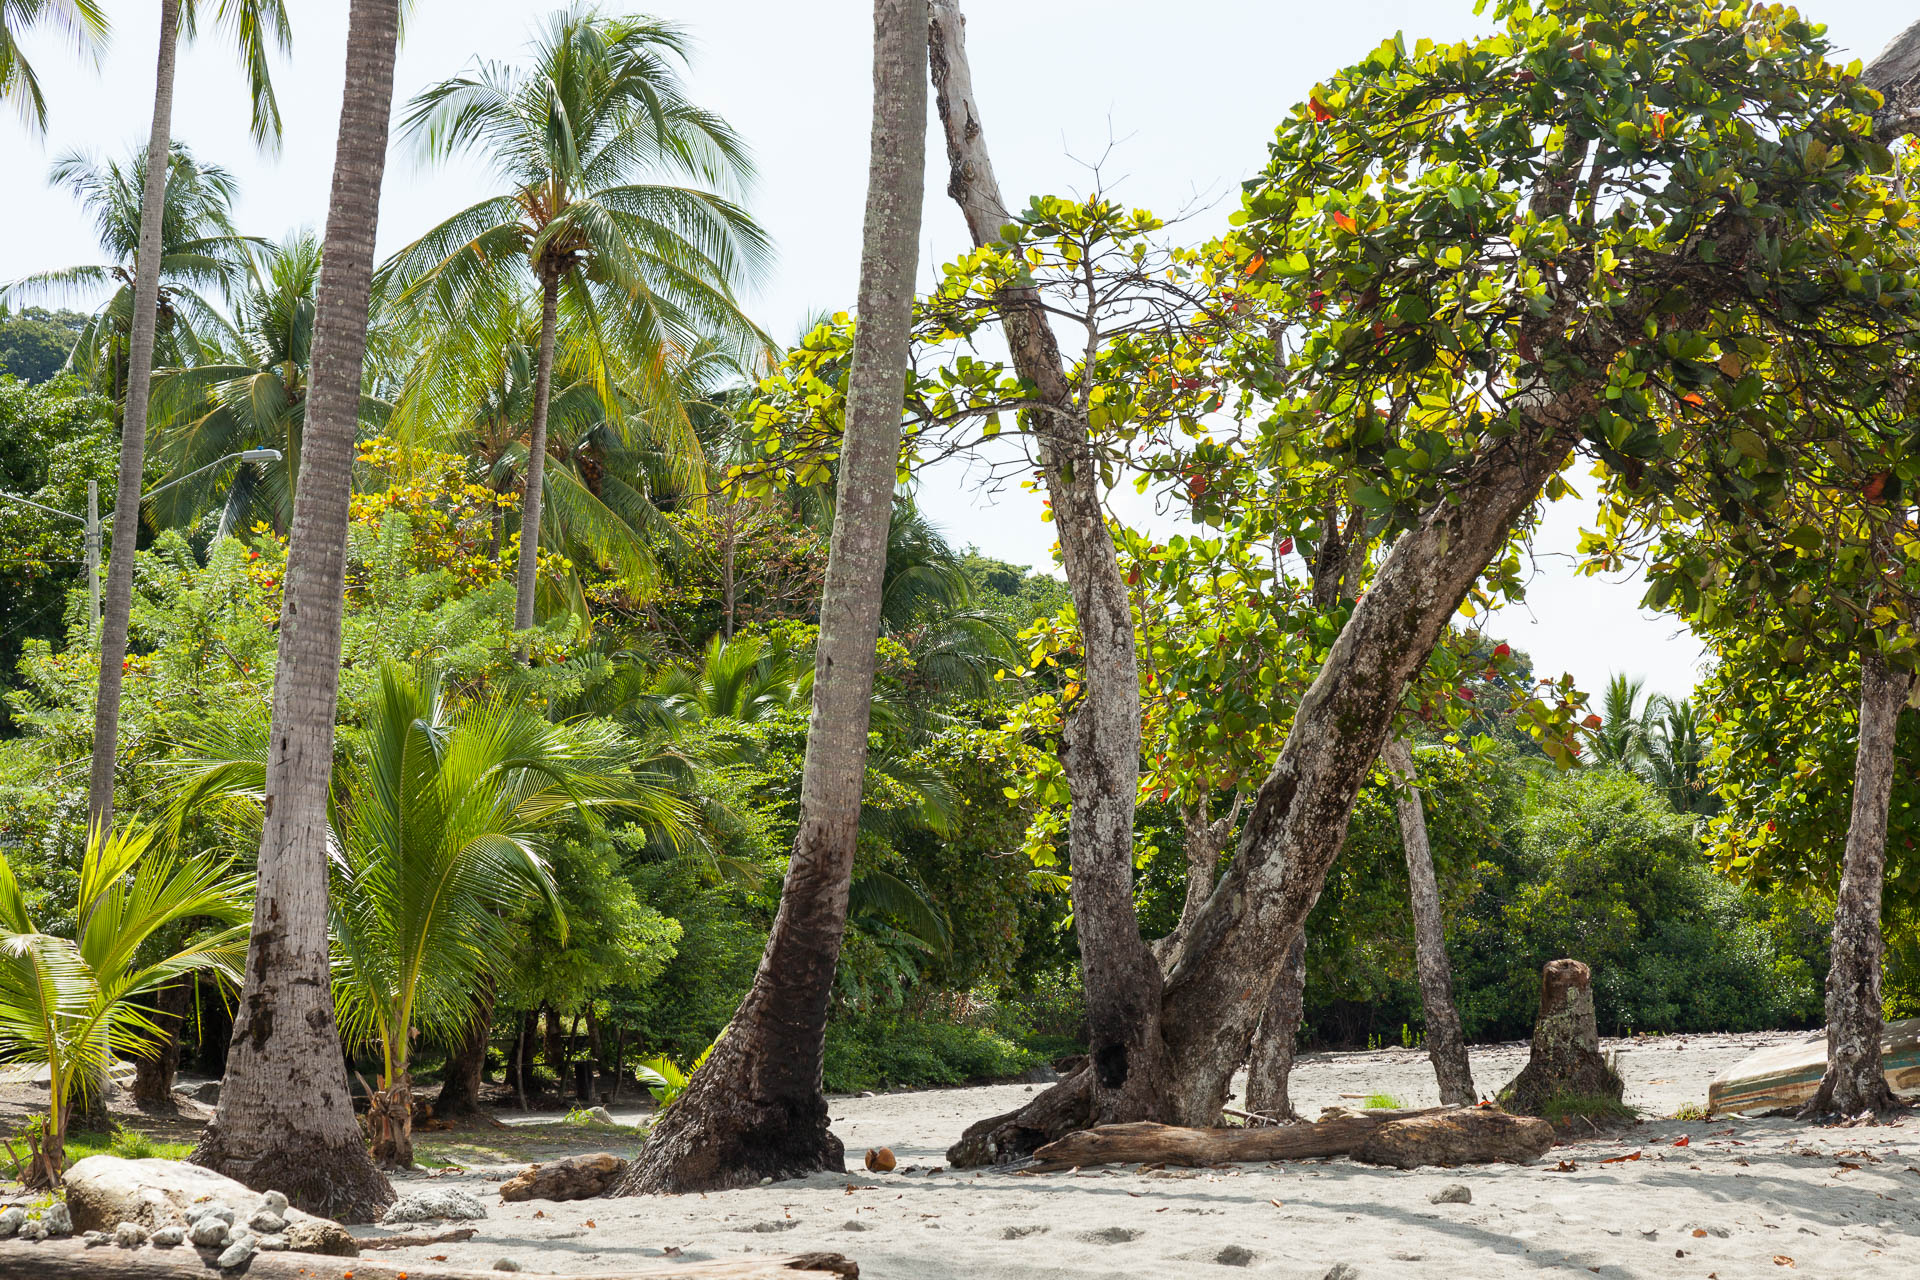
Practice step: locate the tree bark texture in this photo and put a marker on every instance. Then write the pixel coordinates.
(1404, 1139)
(527, 575)
(1446, 1042)
(756, 1108)
(1101, 755)
(153, 1075)
(1565, 1060)
(117, 605)
(465, 1072)
(72, 1260)
(1854, 1081)
(286, 1117)
(1276, 1039)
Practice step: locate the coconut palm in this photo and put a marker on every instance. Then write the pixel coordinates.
(201, 256)
(633, 270)
(1676, 754)
(73, 1000)
(1620, 740)
(84, 22)
(248, 391)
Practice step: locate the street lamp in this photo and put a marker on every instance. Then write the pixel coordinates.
(95, 522)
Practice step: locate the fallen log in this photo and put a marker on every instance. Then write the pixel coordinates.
(1477, 1135)
(579, 1177)
(71, 1260)
(1337, 1132)
(419, 1238)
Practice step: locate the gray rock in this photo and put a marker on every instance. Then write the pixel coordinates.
(434, 1205)
(219, 1211)
(275, 1243)
(600, 1115)
(129, 1235)
(59, 1218)
(505, 1264)
(266, 1223)
(239, 1253)
(274, 1202)
(168, 1237)
(208, 1093)
(1342, 1271)
(321, 1235)
(854, 1225)
(33, 1229)
(11, 1219)
(94, 1239)
(208, 1232)
(1452, 1193)
(104, 1191)
(1234, 1256)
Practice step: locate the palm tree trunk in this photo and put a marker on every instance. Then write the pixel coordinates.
(756, 1108)
(118, 602)
(286, 1117)
(529, 568)
(1854, 1081)
(1101, 758)
(1446, 1043)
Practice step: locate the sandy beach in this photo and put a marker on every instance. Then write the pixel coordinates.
(1723, 1198)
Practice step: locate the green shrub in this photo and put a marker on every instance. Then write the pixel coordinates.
(878, 1052)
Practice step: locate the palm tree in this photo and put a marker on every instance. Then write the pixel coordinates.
(73, 1000)
(82, 21)
(755, 1108)
(1676, 754)
(200, 254)
(248, 391)
(286, 1119)
(1620, 740)
(440, 819)
(637, 270)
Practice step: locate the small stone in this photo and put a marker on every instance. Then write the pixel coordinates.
(274, 1202)
(853, 1224)
(59, 1219)
(266, 1223)
(11, 1219)
(275, 1243)
(209, 1232)
(1342, 1271)
(129, 1235)
(219, 1211)
(1234, 1256)
(766, 1182)
(505, 1264)
(239, 1253)
(33, 1229)
(168, 1237)
(94, 1239)
(1452, 1193)
(600, 1115)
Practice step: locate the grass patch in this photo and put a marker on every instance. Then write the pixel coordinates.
(1383, 1102)
(1598, 1110)
(128, 1144)
(1690, 1111)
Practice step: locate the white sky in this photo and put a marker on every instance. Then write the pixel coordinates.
(1187, 92)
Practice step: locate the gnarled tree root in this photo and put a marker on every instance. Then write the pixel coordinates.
(1052, 1115)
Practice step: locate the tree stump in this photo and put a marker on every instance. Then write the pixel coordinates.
(1478, 1135)
(574, 1178)
(1566, 1061)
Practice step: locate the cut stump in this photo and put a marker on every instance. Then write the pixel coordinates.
(1480, 1135)
(575, 1178)
(72, 1260)
(1566, 1060)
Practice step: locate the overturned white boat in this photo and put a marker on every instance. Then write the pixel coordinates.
(1788, 1075)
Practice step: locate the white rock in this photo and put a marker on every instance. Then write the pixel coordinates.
(59, 1218)
(1342, 1271)
(274, 1202)
(276, 1243)
(208, 1232)
(129, 1235)
(239, 1253)
(1452, 1193)
(33, 1229)
(94, 1239)
(434, 1205)
(11, 1219)
(266, 1223)
(600, 1115)
(505, 1264)
(168, 1237)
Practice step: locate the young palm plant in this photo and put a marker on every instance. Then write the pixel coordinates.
(440, 817)
(74, 1000)
(633, 270)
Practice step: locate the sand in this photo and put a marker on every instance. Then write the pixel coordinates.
(1742, 1198)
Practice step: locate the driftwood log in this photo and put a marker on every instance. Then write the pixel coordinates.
(71, 1260)
(1405, 1139)
(1565, 1061)
(579, 1177)
(419, 1238)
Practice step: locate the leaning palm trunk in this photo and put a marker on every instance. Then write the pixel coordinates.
(756, 1108)
(1129, 1066)
(1446, 1043)
(286, 1117)
(1854, 1081)
(117, 604)
(529, 566)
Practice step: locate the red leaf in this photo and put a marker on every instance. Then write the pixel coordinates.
(1875, 486)
(1319, 110)
(1503, 651)
(1344, 222)
(1632, 1155)
(1686, 1140)
(1285, 548)
(1692, 397)
(1593, 722)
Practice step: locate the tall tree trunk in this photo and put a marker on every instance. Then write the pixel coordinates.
(1101, 757)
(286, 1118)
(1854, 1081)
(118, 602)
(153, 1074)
(1277, 1037)
(1446, 1043)
(466, 1067)
(756, 1108)
(527, 575)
